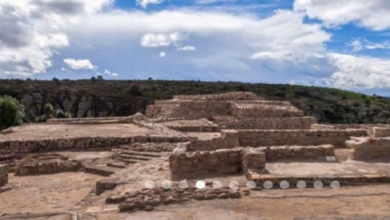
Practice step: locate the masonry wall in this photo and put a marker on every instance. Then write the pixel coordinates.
(3, 175)
(228, 140)
(184, 163)
(84, 143)
(191, 164)
(297, 152)
(220, 97)
(41, 167)
(263, 110)
(101, 120)
(267, 123)
(336, 138)
(203, 128)
(204, 109)
(375, 132)
(347, 126)
(369, 149)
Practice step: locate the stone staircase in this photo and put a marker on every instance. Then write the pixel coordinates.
(131, 156)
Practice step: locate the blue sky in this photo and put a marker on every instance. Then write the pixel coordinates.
(334, 43)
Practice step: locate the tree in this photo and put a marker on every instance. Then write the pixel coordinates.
(135, 91)
(50, 112)
(11, 112)
(56, 81)
(100, 78)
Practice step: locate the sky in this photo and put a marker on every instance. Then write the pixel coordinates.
(334, 43)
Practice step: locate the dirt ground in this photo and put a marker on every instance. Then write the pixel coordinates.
(46, 193)
(43, 131)
(71, 194)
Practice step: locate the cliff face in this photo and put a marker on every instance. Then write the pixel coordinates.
(87, 98)
(82, 105)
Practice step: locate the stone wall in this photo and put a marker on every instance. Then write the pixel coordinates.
(376, 132)
(47, 163)
(253, 160)
(369, 148)
(336, 138)
(201, 109)
(266, 123)
(243, 110)
(221, 97)
(191, 164)
(347, 126)
(3, 174)
(101, 120)
(46, 167)
(228, 140)
(185, 163)
(297, 152)
(83, 143)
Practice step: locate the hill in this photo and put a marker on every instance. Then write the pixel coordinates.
(96, 98)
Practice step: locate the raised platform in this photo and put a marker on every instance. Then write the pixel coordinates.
(347, 173)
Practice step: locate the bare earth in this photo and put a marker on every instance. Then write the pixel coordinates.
(72, 192)
(44, 131)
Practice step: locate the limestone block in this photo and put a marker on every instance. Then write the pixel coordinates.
(376, 132)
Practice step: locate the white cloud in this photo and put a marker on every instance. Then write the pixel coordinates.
(110, 73)
(372, 14)
(226, 41)
(161, 40)
(379, 45)
(356, 45)
(187, 48)
(358, 72)
(145, 3)
(360, 44)
(33, 32)
(163, 54)
(79, 64)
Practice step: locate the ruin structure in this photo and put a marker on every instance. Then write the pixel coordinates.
(188, 138)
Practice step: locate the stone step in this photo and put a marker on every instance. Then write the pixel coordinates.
(140, 153)
(117, 165)
(100, 170)
(135, 157)
(130, 161)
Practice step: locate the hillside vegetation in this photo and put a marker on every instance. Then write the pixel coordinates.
(98, 97)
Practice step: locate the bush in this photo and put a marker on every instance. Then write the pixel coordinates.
(11, 112)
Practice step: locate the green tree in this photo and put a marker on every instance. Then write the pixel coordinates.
(11, 112)
(135, 90)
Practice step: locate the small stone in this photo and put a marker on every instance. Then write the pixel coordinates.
(139, 204)
(223, 196)
(246, 192)
(234, 195)
(131, 194)
(114, 199)
(124, 207)
(154, 202)
(199, 196)
(148, 208)
(210, 196)
(168, 200)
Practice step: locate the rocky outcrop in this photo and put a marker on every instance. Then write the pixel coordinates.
(81, 105)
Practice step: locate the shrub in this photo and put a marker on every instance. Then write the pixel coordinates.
(11, 112)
